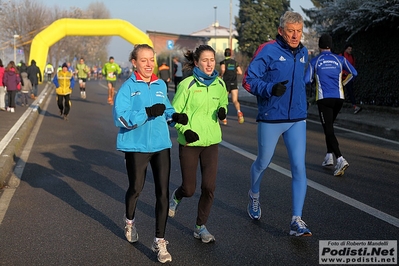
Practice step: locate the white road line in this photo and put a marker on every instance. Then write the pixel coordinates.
(358, 133)
(15, 179)
(329, 192)
(11, 133)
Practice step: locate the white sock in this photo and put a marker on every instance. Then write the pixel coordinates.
(238, 111)
(294, 218)
(129, 221)
(254, 195)
(156, 239)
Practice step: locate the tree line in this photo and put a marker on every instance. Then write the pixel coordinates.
(26, 18)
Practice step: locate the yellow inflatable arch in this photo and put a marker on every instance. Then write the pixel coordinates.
(82, 27)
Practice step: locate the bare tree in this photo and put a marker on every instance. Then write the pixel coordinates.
(24, 18)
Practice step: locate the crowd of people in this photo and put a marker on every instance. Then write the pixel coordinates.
(143, 113)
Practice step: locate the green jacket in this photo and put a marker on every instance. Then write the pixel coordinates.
(201, 104)
(82, 70)
(110, 71)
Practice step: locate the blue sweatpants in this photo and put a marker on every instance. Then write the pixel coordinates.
(294, 135)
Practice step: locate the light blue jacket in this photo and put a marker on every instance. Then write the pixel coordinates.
(137, 131)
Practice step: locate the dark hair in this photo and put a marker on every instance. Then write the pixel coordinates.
(348, 45)
(227, 52)
(137, 48)
(1, 63)
(194, 56)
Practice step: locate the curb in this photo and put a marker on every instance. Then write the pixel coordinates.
(10, 154)
(362, 126)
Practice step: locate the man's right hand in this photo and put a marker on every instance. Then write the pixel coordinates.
(279, 88)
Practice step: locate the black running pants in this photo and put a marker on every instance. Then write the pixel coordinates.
(136, 166)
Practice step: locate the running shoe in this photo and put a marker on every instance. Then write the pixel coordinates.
(173, 203)
(299, 228)
(240, 116)
(160, 247)
(341, 166)
(200, 232)
(65, 117)
(253, 208)
(12, 110)
(357, 109)
(328, 160)
(84, 95)
(131, 232)
(224, 121)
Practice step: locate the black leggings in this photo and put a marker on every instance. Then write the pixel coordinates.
(328, 111)
(136, 166)
(11, 98)
(60, 103)
(208, 158)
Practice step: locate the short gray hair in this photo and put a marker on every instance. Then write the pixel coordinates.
(290, 17)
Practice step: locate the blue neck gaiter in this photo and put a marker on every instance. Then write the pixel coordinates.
(204, 78)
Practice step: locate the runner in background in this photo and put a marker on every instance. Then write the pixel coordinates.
(110, 71)
(82, 71)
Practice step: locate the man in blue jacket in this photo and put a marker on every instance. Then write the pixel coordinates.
(276, 77)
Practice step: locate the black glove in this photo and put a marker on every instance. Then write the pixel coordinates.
(180, 118)
(222, 113)
(279, 88)
(190, 136)
(155, 110)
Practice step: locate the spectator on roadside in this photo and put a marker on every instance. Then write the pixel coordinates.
(349, 83)
(164, 73)
(2, 89)
(26, 89)
(229, 69)
(142, 112)
(12, 81)
(276, 77)
(177, 72)
(203, 97)
(35, 76)
(22, 67)
(326, 68)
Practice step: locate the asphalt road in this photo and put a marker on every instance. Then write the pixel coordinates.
(69, 206)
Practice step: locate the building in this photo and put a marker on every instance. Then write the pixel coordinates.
(217, 36)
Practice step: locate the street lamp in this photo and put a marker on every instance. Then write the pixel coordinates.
(15, 48)
(215, 7)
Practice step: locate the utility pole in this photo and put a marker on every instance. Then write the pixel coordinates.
(215, 7)
(231, 27)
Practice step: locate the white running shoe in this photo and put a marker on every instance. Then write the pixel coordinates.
(203, 234)
(160, 247)
(341, 166)
(131, 232)
(328, 160)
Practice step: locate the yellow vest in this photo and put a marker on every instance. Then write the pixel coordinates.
(64, 81)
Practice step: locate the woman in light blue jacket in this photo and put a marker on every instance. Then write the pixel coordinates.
(142, 111)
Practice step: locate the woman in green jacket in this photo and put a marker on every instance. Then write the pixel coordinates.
(203, 98)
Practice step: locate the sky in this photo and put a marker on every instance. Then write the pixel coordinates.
(171, 16)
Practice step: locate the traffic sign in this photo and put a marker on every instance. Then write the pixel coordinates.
(170, 44)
